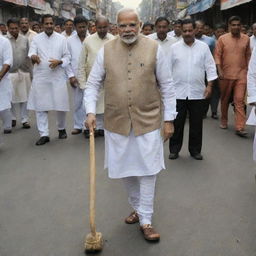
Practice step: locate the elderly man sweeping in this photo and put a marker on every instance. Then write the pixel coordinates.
(137, 84)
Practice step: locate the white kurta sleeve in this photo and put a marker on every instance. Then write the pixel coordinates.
(209, 65)
(69, 70)
(164, 78)
(66, 57)
(7, 53)
(251, 78)
(32, 49)
(94, 83)
(81, 74)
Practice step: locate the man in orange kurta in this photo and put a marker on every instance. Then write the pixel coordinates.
(232, 55)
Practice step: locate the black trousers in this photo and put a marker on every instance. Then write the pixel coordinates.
(196, 110)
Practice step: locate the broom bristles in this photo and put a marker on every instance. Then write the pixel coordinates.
(94, 243)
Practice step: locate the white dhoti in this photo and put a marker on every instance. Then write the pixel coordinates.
(42, 122)
(79, 111)
(127, 156)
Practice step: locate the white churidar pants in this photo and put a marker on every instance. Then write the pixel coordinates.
(42, 121)
(23, 111)
(6, 117)
(141, 191)
(79, 111)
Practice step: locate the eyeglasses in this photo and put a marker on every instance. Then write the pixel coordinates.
(124, 26)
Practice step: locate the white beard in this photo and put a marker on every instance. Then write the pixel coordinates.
(130, 40)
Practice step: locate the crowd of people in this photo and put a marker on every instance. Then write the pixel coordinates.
(151, 73)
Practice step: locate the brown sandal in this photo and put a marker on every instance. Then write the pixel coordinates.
(149, 233)
(132, 218)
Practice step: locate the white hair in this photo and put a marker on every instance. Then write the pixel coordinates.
(126, 10)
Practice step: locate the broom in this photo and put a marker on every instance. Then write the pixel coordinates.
(94, 240)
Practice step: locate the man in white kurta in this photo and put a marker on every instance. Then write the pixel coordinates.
(161, 36)
(50, 56)
(75, 44)
(5, 84)
(133, 142)
(19, 73)
(251, 99)
(91, 47)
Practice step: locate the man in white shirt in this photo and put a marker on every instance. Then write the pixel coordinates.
(162, 27)
(69, 28)
(75, 44)
(5, 84)
(50, 55)
(176, 32)
(253, 37)
(190, 59)
(137, 83)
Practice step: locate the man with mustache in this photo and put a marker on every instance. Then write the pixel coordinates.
(137, 83)
(161, 36)
(50, 56)
(232, 55)
(190, 60)
(25, 30)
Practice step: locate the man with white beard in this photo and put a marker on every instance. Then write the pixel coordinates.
(5, 84)
(50, 55)
(137, 83)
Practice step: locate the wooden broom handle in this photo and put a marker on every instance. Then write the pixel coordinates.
(92, 183)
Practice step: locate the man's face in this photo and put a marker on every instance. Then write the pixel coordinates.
(24, 25)
(92, 28)
(254, 29)
(219, 32)
(244, 30)
(81, 29)
(147, 30)
(48, 26)
(128, 27)
(57, 29)
(177, 29)
(162, 28)
(188, 33)
(102, 28)
(3, 29)
(13, 29)
(235, 27)
(36, 28)
(69, 26)
(199, 30)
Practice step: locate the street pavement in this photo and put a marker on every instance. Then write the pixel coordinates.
(202, 208)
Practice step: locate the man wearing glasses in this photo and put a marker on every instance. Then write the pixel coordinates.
(136, 80)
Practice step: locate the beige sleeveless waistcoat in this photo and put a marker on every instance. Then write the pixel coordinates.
(132, 96)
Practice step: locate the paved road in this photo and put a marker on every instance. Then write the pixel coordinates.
(203, 208)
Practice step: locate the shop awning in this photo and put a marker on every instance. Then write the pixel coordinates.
(18, 2)
(38, 4)
(200, 6)
(226, 4)
(182, 14)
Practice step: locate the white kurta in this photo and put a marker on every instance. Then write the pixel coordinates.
(91, 47)
(127, 156)
(5, 84)
(251, 87)
(49, 89)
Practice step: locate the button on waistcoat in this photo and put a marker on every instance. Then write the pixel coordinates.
(132, 97)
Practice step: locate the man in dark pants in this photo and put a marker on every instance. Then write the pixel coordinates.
(190, 60)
